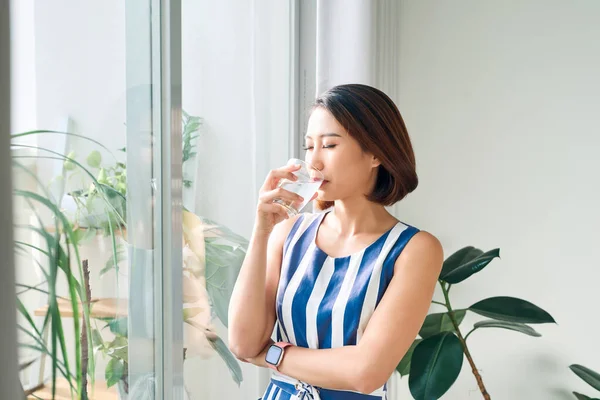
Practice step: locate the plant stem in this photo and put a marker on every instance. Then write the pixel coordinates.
(467, 335)
(439, 302)
(464, 345)
(84, 329)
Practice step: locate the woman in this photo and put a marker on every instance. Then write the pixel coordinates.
(349, 288)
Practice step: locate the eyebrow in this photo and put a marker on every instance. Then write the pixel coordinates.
(325, 135)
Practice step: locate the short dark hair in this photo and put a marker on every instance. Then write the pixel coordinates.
(374, 121)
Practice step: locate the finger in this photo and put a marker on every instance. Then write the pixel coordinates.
(282, 213)
(276, 175)
(282, 194)
(291, 167)
(274, 208)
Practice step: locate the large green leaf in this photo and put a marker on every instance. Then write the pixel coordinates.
(118, 348)
(583, 397)
(404, 367)
(97, 340)
(466, 262)
(435, 365)
(115, 369)
(459, 258)
(119, 254)
(511, 309)
(514, 326)
(232, 363)
(84, 235)
(440, 322)
(117, 325)
(224, 258)
(591, 377)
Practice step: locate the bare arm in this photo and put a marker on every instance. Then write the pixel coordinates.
(252, 304)
(251, 314)
(368, 365)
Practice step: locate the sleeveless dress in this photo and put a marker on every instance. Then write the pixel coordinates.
(326, 302)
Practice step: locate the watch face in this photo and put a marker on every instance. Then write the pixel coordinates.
(274, 355)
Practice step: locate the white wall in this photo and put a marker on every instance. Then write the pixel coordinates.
(23, 83)
(501, 100)
(80, 72)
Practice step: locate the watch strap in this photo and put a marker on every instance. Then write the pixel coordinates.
(281, 345)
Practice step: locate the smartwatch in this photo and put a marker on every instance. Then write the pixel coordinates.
(275, 354)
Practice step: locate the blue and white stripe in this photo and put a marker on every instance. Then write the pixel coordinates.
(326, 302)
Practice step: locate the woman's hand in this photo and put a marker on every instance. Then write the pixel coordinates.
(269, 213)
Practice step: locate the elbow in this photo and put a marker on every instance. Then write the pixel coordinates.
(368, 380)
(238, 344)
(241, 349)
(242, 353)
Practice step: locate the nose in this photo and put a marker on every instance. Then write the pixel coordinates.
(317, 164)
(315, 159)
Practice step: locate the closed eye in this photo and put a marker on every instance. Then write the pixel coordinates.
(331, 146)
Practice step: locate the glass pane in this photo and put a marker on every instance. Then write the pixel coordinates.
(95, 199)
(237, 80)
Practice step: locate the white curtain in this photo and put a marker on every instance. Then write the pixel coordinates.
(251, 70)
(357, 42)
(237, 65)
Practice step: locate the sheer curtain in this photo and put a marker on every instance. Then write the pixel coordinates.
(250, 71)
(238, 66)
(357, 41)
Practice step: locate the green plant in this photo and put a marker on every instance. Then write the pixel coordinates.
(59, 250)
(434, 360)
(116, 350)
(217, 257)
(191, 125)
(212, 258)
(111, 182)
(589, 376)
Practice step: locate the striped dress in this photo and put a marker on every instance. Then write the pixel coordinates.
(325, 302)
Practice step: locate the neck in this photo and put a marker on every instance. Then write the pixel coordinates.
(357, 216)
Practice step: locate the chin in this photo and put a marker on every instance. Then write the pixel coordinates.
(323, 204)
(323, 196)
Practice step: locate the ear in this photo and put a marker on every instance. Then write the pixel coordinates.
(375, 162)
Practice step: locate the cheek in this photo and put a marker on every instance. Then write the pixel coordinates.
(351, 173)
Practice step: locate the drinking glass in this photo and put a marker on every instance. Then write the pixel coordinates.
(309, 181)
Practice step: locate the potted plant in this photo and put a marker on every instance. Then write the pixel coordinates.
(212, 258)
(435, 359)
(57, 245)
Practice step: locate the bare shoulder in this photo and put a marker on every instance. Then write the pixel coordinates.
(282, 230)
(424, 241)
(422, 248)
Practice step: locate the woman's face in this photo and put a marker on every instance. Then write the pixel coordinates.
(348, 171)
